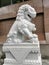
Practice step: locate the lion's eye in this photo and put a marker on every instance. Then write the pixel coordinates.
(26, 9)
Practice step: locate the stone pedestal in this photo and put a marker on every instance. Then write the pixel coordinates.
(22, 54)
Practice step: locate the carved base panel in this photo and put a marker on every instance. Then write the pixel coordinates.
(22, 54)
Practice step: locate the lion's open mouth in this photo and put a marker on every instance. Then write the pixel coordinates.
(29, 16)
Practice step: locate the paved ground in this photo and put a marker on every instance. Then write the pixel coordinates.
(46, 62)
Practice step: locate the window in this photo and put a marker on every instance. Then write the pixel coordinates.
(16, 1)
(26, 0)
(9, 2)
(5, 2)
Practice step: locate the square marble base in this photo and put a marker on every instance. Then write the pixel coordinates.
(22, 54)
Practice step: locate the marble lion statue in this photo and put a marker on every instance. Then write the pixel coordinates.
(23, 27)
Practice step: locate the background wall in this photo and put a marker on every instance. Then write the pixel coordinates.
(8, 16)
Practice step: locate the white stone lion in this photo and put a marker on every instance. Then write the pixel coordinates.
(23, 26)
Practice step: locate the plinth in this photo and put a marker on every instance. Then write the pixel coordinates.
(22, 54)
